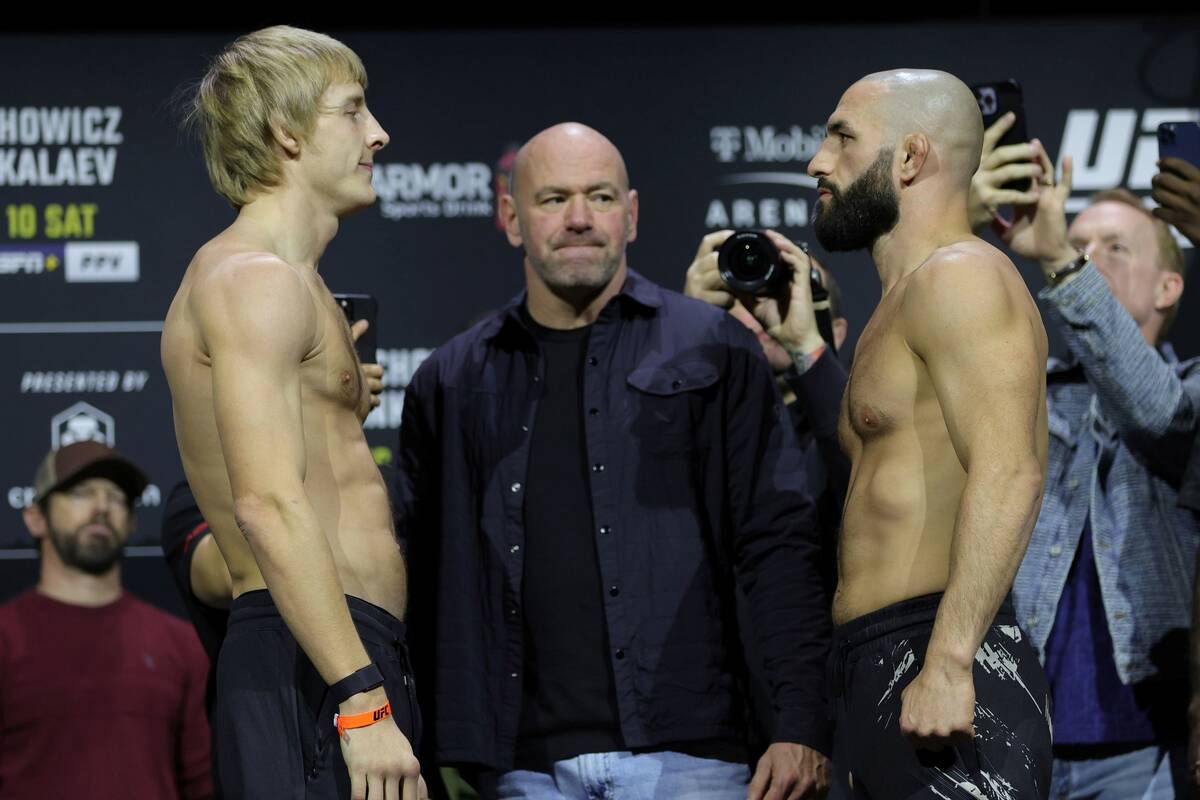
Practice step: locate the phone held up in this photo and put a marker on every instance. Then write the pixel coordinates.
(362, 306)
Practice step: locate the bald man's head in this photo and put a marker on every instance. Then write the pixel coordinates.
(567, 139)
(571, 208)
(933, 103)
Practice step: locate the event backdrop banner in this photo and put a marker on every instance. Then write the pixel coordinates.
(103, 200)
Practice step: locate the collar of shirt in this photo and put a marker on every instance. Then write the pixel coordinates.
(636, 290)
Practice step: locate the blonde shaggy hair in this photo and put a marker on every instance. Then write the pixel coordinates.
(273, 76)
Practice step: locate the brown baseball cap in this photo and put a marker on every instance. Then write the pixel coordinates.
(76, 462)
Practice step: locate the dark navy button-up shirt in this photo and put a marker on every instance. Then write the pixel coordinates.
(696, 486)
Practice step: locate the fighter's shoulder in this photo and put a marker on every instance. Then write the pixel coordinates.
(237, 281)
(963, 277)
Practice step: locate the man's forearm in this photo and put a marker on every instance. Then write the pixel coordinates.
(297, 565)
(1135, 385)
(998, 510)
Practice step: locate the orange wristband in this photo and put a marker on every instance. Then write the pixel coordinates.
(344, 722)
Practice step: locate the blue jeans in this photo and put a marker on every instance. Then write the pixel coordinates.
(622, 776)
(1151, 773)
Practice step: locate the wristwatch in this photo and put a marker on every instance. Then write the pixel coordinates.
(1055, 276)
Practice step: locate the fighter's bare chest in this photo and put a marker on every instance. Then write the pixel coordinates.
(882, 383)
(331, 372)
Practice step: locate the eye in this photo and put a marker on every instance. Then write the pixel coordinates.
(602, 199)
(552, 200)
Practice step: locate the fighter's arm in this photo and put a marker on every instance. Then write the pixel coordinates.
(985, 356)
(258, 322)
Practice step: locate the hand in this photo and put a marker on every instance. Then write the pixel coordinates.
(703, 280)
(1176, 189)
(998, 166)
(937, 709)
(1039, 229)
(789, 319)
(372, 374)
(379, 757)
(789, 771)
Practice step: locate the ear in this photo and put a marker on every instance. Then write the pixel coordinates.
(284, 138)
(508, 215)
(1170, 288)
(35, 521)
(633, 215)
(914, 151)
(840, 329)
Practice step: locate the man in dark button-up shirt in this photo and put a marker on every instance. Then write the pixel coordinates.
(585, 477)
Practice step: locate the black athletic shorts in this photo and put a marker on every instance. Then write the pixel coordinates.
(876, 656)
(273, 725)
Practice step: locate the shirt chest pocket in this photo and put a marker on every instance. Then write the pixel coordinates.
(669, 404)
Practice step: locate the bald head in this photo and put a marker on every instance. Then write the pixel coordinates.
(567, 141)
(933, 103)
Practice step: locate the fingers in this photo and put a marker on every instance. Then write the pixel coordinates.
(703, 280)
(410, 788)
(1068, 172)
(1014, 172)
(1013, 197)
(358, 329)
(711, 242)
(1043, 160)
(1009, 154)
(758, 784)
(1167, 183)
(1184, 169)
(422, 789)
(995, 132)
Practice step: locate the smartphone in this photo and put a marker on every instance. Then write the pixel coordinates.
(362, 306)
(995, 100)
(1180, 140)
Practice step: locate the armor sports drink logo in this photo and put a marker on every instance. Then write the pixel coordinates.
(82, 422)
(1115, 147)
(432, 191)
(759, 202)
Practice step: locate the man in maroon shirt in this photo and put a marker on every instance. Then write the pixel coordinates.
(101, 695)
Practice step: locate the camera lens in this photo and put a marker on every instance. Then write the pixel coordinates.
(749, 262)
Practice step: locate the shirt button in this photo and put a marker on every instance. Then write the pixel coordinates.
(676, 384)
(605, 529)
(613, 591)
(1033, 621)
(516, 487)
(537, 378)
(516, 548)
(620, 654)
(1055, 550)
(525, 429)
(1120, 615)
(593, 412)
(593, 361)
(512, 612)
(597, 468)
(1074, 483)
(512, 675)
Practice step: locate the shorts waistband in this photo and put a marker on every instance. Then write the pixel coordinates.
(913, 611)
(258, 605)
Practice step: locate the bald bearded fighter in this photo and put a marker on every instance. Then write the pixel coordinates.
(939, 694)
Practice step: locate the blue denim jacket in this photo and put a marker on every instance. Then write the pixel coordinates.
(1122, 417)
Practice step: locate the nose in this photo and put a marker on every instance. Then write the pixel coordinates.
(821, 163)
(578, 214)
(377, 137)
